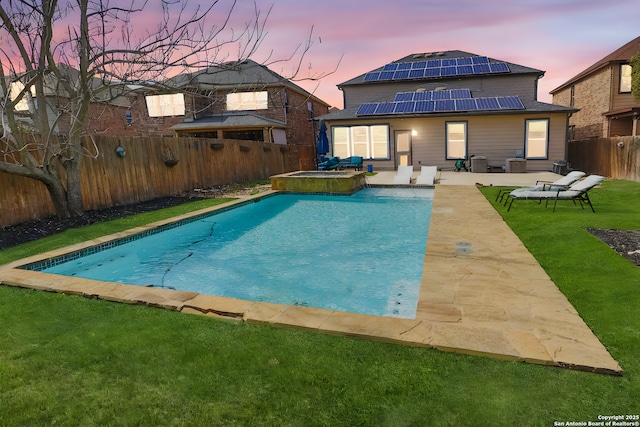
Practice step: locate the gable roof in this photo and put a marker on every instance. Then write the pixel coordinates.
(431, 70)
(511, 68)
(620, 55)
(244, 75)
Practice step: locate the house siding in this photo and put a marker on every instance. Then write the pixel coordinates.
(495, 137)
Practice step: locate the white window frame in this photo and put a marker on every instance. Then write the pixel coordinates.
(533, 141)
(450, 148)
(361, 140)
(625, 78)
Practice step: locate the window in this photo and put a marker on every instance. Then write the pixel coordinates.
(573, 96)
(165, 105)
(456, 140)
(536, 139)
(369, 142)
(244, 101)
(625, 78)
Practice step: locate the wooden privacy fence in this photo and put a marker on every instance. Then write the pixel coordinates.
(617, 157)
(153, 167)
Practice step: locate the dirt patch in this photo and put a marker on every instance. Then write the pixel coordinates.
(34, 230)
(624, 242)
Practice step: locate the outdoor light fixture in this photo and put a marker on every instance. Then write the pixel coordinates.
(620, 143)
(414, 132)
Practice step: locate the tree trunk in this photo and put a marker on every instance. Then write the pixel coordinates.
(74, 191)
(58, 197)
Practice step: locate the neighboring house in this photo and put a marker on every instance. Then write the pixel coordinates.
(434, 108)
(602, 93)
(236, 100)
(246, 100)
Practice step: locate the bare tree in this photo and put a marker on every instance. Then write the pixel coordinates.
(58, 56)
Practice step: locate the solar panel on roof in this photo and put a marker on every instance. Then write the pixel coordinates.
(423, 96)
(466, 104)
(510, 102)
(365, 109)
(390, 67)
(425, 106)
(433, 63)
(371, 77)
(448, 71)
(463, 61)
(479, 60)
(487, 104)
(499, 67)
(386, 75)
(445, 105)
(460, 93)
(385, 108)
(416, 73)
(404, 66)
(481, 68)
(441, 94)
(432, 72)
(401, 74)
(403, 96)
(464, 70)
(405, 107)
(419, 64)
(449, 62)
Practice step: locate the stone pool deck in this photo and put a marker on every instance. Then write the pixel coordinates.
(482, 294)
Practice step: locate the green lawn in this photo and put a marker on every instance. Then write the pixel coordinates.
(72, 361)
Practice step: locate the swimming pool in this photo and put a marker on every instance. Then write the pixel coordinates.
(361, 253)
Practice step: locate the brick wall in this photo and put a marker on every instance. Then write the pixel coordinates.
(592, 96)
(107, 119)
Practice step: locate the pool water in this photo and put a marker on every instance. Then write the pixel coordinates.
(361, 253)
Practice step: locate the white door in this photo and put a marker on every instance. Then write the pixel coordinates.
(403, 148)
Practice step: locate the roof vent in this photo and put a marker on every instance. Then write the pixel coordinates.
(441, 88)
(439, 53)
(428, 55)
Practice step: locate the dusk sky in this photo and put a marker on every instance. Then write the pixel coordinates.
(560, 37)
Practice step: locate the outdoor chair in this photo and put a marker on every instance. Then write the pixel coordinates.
(330, 164)
(577, 192)
(351, 162)
(559, 184)
(403, 176)
(427, 175)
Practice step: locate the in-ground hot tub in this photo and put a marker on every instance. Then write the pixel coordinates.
(343, 182)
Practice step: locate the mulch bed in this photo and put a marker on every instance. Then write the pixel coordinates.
(624, 242)
(34, 230)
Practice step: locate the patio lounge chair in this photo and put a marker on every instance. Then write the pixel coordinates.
(330, 164)
(427, 175)
(351, 162)
(578, 191)
(559, 184)
(403, 176)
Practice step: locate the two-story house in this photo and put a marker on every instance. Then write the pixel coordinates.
(602, 93)
(236, 100)
(435, 108)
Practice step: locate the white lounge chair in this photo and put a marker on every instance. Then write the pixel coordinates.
(403, 176)
(559, 184)
(576, 192)
(427, 175)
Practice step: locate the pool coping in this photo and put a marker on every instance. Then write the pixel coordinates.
(482, 293)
